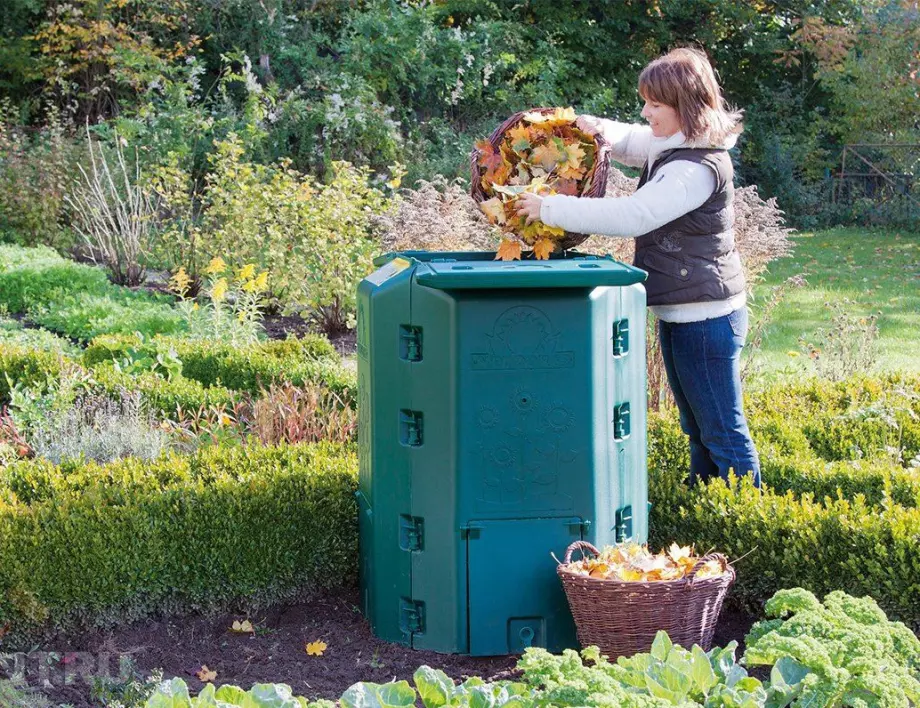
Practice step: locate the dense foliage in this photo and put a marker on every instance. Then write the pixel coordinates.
(382, 81)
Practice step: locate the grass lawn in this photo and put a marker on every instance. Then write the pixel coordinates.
(878, 271)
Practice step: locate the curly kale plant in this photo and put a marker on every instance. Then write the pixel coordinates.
(852, 655)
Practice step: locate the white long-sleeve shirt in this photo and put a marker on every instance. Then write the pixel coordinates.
(678, 187)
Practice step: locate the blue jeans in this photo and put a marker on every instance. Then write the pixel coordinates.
(702, 360)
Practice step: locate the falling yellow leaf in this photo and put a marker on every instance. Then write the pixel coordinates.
(205, 674)
(509, 251)
(243, 627)
(316, 648)
(542, 249)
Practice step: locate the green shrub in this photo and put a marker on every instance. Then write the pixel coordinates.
(247, 368)
(789, 541)
(45, 283)
(37, 370)
(85, 315)
(11, 332)
(15, 256)
(176, 533)
(162, 395)
(28, 367)
(36, 167)
(78, 300)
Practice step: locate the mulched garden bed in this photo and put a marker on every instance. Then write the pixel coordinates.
(274, 654)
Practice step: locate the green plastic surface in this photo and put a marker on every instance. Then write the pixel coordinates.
(497, 423)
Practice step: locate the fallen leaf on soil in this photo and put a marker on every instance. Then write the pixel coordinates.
(205, 674)
(243, 627)
(316, 648)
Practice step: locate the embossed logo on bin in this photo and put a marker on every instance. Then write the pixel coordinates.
(523, 338)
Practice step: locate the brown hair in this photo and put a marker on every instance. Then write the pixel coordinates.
(683, 79)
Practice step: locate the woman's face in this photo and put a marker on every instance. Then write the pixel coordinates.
(663, 119)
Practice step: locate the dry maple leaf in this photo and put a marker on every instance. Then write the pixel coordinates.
(542, 249)
(508, 251)
(547, 156)
(494, 209)
(520, 138)
(243, 627)
(316, 648)
(205, 674)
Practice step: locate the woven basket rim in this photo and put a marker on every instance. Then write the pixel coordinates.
(616, 582)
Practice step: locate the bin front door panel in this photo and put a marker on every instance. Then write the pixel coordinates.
(515, 597)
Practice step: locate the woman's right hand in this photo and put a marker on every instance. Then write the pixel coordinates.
(588, 124)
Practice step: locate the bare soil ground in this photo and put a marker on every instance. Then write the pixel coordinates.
(275, 653)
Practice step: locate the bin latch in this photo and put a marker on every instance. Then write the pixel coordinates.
(410, 343)
(410, 428)
(411, 616)
(620, 338)
(624, 518)
(411, 533)
(621, 421)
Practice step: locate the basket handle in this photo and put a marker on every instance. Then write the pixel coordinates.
(579, 546)
(691, 576)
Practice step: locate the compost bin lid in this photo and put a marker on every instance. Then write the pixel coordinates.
(478, 271)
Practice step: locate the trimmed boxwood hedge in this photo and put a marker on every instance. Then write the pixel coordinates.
(95, 544)
(247, 368)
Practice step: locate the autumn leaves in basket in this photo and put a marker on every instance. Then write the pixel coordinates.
(543, 153)
(633, 562)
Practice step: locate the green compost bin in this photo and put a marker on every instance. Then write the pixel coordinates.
(502, 415)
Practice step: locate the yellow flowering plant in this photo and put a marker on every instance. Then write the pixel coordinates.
(232, 307)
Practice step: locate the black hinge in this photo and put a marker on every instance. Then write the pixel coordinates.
(410, 343)
(620, 338)
(624, 523)
(410, 428)
(621, 421)
(411, 616)
(411, 533)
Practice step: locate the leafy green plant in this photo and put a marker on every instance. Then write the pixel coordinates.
(84, 316)
(844, 650)
(12, 332)
(315, 239)
(175, 694)
(131, 690)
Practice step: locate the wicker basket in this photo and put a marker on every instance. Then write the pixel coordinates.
(622, 617)
(596, 188)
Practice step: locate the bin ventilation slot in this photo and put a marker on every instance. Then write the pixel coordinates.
(620, 338)
(410, 343)
(411, 616)
(621, 422)
(410, 428)
(411, 533)
(624, 520)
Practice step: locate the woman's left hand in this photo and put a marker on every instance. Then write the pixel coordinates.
(528, 205)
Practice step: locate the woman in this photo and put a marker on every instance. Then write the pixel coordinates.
(682, 218)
